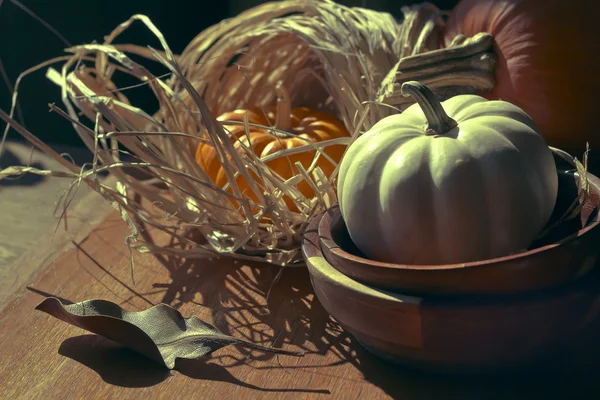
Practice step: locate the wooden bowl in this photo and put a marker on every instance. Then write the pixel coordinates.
(453, 333)
(567, 253)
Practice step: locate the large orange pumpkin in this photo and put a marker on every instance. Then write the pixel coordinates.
(306, 125)
(547, 56)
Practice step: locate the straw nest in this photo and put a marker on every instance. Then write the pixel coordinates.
(346, 61)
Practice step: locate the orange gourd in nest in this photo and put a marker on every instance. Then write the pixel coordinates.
(547, 61)
(306, 126)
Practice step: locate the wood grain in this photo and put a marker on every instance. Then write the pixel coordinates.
(46, 358)
(31, 234)
(29, 201)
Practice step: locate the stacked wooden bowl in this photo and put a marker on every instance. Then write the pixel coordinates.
(500, 313)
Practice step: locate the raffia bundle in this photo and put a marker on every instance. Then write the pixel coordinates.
(346, 61)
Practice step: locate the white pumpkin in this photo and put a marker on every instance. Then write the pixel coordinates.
(463, 180)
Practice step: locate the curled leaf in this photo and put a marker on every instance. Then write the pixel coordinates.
(160, 332)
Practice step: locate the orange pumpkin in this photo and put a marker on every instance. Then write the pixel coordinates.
(306, 125)
(547, 52)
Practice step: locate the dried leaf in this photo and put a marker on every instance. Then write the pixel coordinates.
(160, 332)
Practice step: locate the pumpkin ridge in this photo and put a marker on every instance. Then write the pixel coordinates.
(303, 127)
(460, 111)
(445, 171)
(495, 183)
(479, 191)
(488, 199)
(429, 198)
(497, 109)
(390, 153)
(506, 222)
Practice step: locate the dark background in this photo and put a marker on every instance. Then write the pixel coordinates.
(24, 42)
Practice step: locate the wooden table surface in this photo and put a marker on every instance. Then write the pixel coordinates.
(28, 217)
(43, 357)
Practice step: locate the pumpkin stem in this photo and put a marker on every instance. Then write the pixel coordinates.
(439, 122)
(283, 120)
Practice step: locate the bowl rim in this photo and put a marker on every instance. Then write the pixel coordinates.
(320, 268)
(326, 240)
(313, 254)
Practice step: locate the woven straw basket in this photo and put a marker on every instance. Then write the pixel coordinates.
(349, 62)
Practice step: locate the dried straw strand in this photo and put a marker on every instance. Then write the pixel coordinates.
(342, 60)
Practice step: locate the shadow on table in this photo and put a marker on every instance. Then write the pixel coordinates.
(10, 159)
(46, 294)
(78, 155)
(256, 304)
(291, 302)
(550, 381)
(120, 366)
(267, 307)
(205, 369)
(115, 364)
